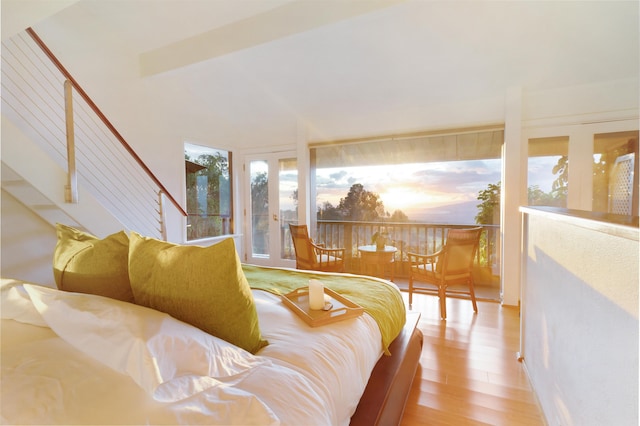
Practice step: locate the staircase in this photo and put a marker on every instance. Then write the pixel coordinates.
(116, 190)
(34, 179)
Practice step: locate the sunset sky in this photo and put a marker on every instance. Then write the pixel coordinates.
(413, 188)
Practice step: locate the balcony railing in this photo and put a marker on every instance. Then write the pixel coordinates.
(406, 237)
(207, 225)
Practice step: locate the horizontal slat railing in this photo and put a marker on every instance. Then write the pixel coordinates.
(406, 237)
(33, 98)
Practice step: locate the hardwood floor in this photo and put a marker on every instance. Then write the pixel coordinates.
(468, 373)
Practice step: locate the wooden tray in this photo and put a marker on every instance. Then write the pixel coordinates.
(343, 308)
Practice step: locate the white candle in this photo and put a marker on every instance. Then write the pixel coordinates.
(316, 294)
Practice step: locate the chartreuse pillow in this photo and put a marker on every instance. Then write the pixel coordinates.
(84, 263)
(202, 286)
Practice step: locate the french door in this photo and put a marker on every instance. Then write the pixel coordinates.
(272, 190)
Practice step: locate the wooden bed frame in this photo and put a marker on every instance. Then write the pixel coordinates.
(385, 396)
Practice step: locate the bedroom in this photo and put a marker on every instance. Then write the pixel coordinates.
(570, 83)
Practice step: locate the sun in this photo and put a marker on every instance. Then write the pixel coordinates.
(400, 198)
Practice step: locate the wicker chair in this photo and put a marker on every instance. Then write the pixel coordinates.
(452, 264)
(313, 256)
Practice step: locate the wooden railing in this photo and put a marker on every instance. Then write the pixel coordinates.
(406, 237)
(103, 118)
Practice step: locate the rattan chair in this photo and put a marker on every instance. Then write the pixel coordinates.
(453, 264)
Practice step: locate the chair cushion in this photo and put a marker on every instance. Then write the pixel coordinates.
(328, 259)
(202, 286)
(423, 269)
(428, 270)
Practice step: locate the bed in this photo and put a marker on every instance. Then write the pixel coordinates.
(74, 357)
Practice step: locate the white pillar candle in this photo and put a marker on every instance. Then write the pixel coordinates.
(316, 295)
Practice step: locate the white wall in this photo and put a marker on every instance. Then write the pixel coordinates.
(27, 243)
(580, 319)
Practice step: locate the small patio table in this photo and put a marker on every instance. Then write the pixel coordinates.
(376, 259)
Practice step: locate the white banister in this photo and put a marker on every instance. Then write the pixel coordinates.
(37, 99)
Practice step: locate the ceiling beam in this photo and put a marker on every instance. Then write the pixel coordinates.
(292, 18)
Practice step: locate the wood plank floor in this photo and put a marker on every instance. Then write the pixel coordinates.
(468, 373)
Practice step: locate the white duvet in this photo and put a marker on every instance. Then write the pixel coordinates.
(70, 358)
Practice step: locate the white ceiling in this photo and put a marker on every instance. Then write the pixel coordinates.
(254, 71)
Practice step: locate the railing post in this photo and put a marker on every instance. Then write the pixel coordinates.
(348, 241)
(163, 225)
(71, 188)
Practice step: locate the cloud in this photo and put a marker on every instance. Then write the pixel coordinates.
(337, 176)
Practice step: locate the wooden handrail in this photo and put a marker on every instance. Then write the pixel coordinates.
(102, 117)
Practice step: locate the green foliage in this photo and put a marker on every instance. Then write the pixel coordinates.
(560, 186)
(399, 216)
(259, 194)
(359, 205)
(328, 212)
(488, 209)
(217, 187)
(260, 212)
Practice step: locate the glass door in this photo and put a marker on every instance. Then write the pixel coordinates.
(271, 205)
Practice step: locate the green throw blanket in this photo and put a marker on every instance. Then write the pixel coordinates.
(380, 300)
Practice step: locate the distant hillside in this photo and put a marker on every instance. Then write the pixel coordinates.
(453, 214)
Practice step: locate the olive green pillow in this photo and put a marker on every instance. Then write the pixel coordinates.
(84, 263)
(202, 286)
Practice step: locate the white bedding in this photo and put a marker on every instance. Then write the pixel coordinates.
(70, 358)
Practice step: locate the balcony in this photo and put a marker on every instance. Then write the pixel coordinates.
(406, 237)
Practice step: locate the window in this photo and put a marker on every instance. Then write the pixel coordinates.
(430, 178)
(615, 173)
(208, 192)
(548, 171)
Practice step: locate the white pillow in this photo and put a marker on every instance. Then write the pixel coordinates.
(169, 359)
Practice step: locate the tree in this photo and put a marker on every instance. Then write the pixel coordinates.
(216, 183)
(259, 195)
(537, 197)
(399, 216)
(260, 212)
(360, 205)
(328, 212)
(208, 194)
(490, 205)
(560, 186)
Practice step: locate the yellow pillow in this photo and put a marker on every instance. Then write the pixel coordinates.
(83, 263)
(202, 286)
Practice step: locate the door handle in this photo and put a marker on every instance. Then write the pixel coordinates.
(275, 217)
